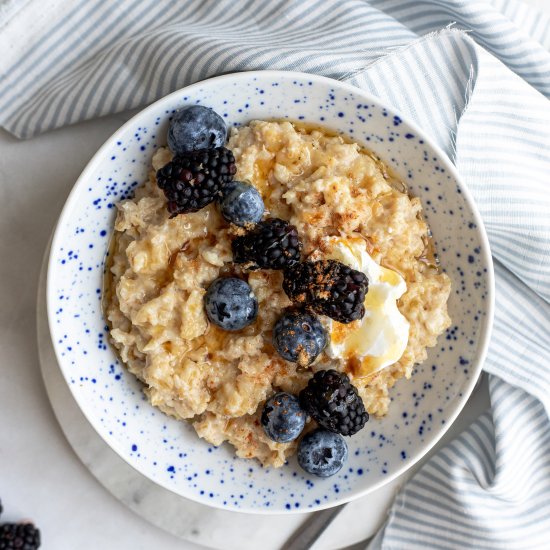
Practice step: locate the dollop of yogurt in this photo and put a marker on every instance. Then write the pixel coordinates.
(380, 337)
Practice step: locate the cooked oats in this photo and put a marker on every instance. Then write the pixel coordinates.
(217, 380)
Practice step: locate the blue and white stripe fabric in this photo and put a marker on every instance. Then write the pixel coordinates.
(474, 73)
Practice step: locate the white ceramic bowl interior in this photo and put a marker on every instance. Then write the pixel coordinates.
(169, 452)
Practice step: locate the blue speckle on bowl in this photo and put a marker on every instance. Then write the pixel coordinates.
(112, 398)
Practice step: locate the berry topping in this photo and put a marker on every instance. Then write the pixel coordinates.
(19, 536)
(273, 244)
(193, 180)
(327, 287)
(230, 303)
(299, 337)
(194, 128)
(322, 453)
(282, 418)
(241, 203)
(332, 401)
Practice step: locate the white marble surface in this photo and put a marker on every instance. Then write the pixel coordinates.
(185, 519)
(542, 5)
(41, 477)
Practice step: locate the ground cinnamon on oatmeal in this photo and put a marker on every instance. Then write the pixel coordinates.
(323, 185)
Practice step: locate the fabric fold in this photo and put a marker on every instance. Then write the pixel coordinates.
(489, 27)
(127, 54)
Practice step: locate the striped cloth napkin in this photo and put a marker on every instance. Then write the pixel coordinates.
(482, 94)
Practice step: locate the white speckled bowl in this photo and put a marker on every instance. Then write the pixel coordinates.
(169, 452)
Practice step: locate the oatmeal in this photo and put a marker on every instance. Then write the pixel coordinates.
(161, 267)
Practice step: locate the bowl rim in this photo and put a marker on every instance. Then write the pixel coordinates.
(485, 329)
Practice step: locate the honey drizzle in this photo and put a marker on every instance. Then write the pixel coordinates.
(107, 281)
(428, 255)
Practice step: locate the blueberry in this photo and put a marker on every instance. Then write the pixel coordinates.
(322, 453)
(299, 337)
(241, 203)
(230, 303)
(282, 418)
(196, 127)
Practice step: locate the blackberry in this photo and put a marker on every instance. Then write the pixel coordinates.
(327, 287)
(333, 402)
(272, 244)
(20, 536)
(193, 180)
